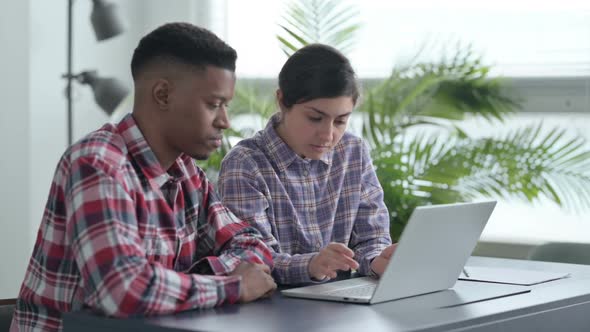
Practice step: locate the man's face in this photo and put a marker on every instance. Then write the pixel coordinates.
(198, 111)
(313, 128)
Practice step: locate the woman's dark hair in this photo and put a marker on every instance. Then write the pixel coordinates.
(184, 43)
(317, 71)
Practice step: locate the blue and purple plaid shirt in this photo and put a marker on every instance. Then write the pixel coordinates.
(301, 205)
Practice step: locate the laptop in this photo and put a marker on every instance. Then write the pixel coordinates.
(430, 256)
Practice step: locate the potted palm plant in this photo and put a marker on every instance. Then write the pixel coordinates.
(417, 166)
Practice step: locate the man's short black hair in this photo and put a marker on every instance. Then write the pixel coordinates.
(185, 43)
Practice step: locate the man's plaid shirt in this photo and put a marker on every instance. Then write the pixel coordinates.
(124, 237)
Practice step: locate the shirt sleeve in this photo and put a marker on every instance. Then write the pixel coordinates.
(233, 240)
(370, 234)
(247, 197)
(117, 278)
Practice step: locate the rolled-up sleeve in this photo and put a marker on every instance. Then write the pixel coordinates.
(370, 234)
(245, 193)
(233, 239)
(117, 277)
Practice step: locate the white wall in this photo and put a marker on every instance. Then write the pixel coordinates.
(15, 145)
(33, 115)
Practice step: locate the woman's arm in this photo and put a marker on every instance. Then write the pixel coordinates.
(370, 234)
(244, 192)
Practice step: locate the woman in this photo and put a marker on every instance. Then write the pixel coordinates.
(307, 184)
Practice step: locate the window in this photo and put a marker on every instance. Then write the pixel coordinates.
(543, 45)
(520, 38)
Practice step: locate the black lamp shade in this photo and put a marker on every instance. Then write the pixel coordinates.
(105, 21)
(108, 92)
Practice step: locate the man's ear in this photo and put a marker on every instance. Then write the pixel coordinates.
(161, 93)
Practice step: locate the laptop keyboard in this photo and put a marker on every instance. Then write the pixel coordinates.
(357, 291)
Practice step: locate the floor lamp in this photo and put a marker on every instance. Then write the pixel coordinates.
(108, 92)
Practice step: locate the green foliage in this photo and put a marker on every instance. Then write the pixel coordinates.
(251, 100)
(524, 164)
(213, 164)
(318, 21)
(436, 95)
(248, 102)
(446, 166)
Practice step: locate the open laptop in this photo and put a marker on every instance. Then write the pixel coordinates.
(430, 256)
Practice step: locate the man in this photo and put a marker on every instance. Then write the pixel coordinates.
(132, 226)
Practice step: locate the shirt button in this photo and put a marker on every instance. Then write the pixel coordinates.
(318, 245)
(305, 173)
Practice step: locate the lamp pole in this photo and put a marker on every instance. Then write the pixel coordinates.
(108, 92)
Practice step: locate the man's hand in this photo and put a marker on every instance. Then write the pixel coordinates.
(256, 281)
(334, 257)
(379, 263)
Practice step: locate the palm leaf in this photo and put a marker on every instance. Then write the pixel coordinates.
(418, 169)
(527, 164)
(314, 21)
(401, 168)
(449, 91)
(250, 99)
(212, 165)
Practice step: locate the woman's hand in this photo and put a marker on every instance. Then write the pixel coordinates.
(380, 262)
(330, 259)
(334, 257)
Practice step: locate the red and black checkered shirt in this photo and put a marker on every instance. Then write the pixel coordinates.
(124, 237)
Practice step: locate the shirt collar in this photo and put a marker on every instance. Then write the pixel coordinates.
(282, 154)
(144, 156)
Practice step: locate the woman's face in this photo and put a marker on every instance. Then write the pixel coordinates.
(314, 127)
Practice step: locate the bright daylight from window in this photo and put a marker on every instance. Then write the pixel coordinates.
(541, 41)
